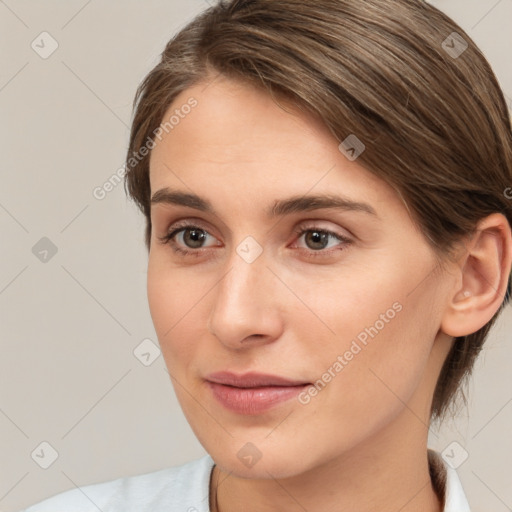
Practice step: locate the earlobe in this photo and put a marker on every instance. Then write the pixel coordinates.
(482, 278)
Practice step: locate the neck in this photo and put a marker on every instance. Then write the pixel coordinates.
(384, 475)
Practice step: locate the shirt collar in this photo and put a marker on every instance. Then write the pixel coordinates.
(447, 484)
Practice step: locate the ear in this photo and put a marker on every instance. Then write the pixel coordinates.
(482, 278)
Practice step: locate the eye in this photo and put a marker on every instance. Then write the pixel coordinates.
(192, 238)
(317, 240)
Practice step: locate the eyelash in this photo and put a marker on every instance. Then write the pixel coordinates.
(169, 240)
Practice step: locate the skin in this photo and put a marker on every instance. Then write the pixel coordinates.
(360, 443)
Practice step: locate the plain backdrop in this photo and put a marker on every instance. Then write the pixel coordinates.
(73, 306)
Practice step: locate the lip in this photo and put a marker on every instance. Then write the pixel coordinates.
(252, 393)
(252, 380)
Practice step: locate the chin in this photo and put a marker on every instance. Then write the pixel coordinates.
(260, 458)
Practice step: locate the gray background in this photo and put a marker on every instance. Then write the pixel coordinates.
(69, 325)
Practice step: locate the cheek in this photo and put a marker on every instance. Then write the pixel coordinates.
(372, 355)
(174, 306)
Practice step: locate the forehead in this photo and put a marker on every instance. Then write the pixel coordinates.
(238, 136)
(235, 116)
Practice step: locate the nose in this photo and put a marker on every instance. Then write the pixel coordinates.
(246, 311)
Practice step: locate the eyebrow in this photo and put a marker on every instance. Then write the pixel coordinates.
(280, 207)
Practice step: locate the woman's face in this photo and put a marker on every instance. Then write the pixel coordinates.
(351, 317)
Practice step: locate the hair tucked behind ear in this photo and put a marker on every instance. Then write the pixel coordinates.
(425, 103)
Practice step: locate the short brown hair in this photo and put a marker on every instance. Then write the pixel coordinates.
(424, 101)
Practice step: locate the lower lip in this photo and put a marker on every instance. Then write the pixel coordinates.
(253, 400)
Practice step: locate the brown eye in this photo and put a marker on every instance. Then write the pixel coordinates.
(195, 237)
(317, 241)
(186, 239)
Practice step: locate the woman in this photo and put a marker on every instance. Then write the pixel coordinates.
(324, 187)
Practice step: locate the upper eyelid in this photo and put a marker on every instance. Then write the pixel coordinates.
(344, 242)
(200, 223)
(304, 226)
(160, 209)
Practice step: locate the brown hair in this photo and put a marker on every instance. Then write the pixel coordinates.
(428, 109)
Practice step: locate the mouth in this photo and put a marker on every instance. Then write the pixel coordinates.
(253, 393)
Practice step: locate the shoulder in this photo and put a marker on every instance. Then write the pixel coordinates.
(447, 484)
(183, 488)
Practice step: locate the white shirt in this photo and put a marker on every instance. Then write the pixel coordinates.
(186, 489)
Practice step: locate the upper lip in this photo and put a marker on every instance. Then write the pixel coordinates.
(251, 380)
